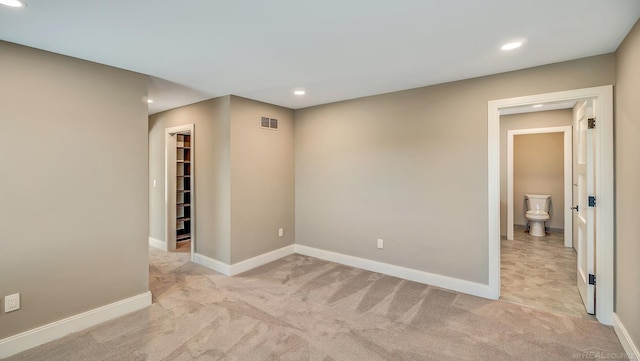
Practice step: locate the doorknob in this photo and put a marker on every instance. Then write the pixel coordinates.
(576, 208)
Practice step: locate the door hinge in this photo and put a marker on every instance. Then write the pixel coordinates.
(592, 123)
(592, 279)
(592, 201)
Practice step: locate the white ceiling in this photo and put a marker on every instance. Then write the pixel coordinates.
(334, 49)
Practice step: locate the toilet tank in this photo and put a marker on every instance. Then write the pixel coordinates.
(537, 201)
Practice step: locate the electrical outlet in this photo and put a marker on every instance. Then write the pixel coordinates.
(380, 243)
(12, 302)
(155, 183)
(281, 232)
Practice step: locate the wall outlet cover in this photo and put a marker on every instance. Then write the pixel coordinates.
(12, 302)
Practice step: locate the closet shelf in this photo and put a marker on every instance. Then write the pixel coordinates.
(184, 183)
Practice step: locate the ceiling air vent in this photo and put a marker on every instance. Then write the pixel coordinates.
(268, 123)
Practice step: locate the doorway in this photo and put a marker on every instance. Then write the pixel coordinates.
(603, 159)
(180, 215)
(567, 183)
(537, 270)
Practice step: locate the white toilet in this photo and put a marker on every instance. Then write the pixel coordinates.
(537, 212)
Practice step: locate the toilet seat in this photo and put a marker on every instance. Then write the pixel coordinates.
(537, 215)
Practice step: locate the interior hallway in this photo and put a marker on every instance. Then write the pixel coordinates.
(541, 272)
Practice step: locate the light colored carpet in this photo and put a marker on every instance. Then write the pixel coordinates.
(301, 308)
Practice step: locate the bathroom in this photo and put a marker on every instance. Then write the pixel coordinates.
(532, 162)
(538, 270)
(538, 169)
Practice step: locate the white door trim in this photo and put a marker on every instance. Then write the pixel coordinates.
(603, 95)
(170, 187)
(567, 183)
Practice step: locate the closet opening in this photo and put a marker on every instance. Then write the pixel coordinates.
(179, 189)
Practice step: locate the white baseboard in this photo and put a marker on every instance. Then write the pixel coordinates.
(156, 243)
(260, 260)
(43, 334)
(455, 284)
(627, 343)
(243, 266)
(211, 263)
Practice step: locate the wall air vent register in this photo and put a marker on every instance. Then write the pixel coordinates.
(268, 123)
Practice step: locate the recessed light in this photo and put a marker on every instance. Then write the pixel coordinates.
(299, 92)
(537, 105)
(13, 3)
(511, 46)
(149, 101)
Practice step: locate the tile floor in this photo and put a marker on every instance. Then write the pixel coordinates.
(540, 272)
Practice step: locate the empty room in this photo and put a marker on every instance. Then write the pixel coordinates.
(409, 180)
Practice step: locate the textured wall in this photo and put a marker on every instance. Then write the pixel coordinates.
(73, 201)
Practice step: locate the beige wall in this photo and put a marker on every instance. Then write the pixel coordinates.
(627, 160)
(411, 167)
(262, 179)
(73, 214)
(538, 168)
(546, 119)
(211, 168)
(244, 185)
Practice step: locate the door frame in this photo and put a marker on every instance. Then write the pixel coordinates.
(170, 186)
(603, 96)
(567, 182)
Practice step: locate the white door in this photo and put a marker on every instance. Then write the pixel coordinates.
(583, 188)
